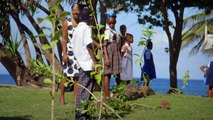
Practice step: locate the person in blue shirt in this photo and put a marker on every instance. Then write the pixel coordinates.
(148, 68)
(209, 77)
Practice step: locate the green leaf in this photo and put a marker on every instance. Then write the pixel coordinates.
(102, 37)
(84, 111)
(100, 26)
(57, 34)
(53, 43)
(93, 27)
(136, 61)
(40, 20)
(98, 77)
(66, 84)
(92, 73)
(140, 60)
(94, 37)
(39, 63)
(46, 46)
(45, 28)
(50, 18)
(48, 81)
(97, 65)
(41, 35)
(64, 14)
(54, 8)
(135, 54)
(98, 57)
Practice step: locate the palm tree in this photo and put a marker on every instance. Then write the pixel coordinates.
(13, 11)
(198, 28)
(10, 9)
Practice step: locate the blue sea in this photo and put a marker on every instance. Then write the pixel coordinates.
(159, 85)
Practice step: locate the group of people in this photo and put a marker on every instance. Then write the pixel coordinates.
(79, 58)
(117, 54)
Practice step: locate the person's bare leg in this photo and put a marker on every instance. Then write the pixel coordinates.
(75, 89)
(211, 91)
(62, 99)
(106, 86)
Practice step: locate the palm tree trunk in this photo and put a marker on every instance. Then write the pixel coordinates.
(37, 50)
(23, 37)
(43, 40)
(51, 3)
(16, 68)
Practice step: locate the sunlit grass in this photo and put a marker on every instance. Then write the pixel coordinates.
(34, 104)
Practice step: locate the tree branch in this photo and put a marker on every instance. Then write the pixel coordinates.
(37, 4)
(99, 101)
(38, 51)
(15, 16)
(166, 21)
(43, 40)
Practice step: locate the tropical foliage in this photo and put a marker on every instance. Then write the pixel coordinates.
(194, 32)
(151, 13)
(160, 13)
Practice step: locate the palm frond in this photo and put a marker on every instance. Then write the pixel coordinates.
(194, 31)
(194, 19)
(12, 46)
(208, 53)
(196, 48)
(193, 34)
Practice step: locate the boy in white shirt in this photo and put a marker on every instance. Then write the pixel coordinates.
(83, 50)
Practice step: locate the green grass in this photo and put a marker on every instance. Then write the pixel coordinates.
(34, 104)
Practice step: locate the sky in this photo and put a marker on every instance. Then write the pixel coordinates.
(160, 41)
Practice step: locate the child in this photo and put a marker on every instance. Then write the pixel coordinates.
(148, 68)
(127, 64)
(121, 39)
(82, 44)
(111, 53)
(209, 77)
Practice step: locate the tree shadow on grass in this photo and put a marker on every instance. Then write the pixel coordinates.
(6, 86)
(26, 117)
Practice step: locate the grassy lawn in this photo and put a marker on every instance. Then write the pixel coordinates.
(34, 104)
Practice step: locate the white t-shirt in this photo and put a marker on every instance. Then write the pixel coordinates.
(81, 38)
(109, 33)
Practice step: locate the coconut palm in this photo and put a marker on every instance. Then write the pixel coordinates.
(197, 28)
(11, 13)
(10, 9)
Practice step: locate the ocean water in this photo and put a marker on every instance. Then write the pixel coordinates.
(6, 79)
(159, 85)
